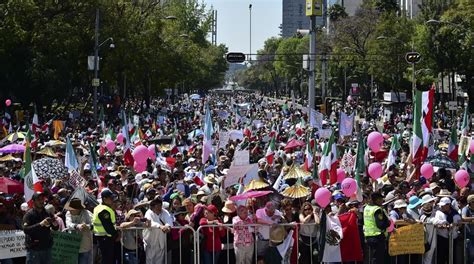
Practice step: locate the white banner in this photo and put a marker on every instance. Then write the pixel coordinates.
(12, 244)
(241, 157)
(346, 124)
(316, 119)
(223, 139)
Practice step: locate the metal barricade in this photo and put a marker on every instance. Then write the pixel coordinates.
(228, 228)
(169, 253)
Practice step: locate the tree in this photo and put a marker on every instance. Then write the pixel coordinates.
(337, 12)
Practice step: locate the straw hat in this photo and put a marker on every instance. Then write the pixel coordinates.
(444, 193)
(229, 207)
(277, 234)
(130, 213)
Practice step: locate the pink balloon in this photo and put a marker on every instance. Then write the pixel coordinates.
(110, 145)
(120, 138)
(349, 187)
(139, 167)
(391, 227)
(427, 171)
(322, 197)
(375, 141)
(140, 154)
(8, 102)
(461, 178)
(341, 174)
(471, 146)
(151, 151)
(375, 170)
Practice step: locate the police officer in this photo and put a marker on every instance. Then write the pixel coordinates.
(376, 221)
(104, 230)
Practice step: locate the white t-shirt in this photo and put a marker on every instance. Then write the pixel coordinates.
(265, 229)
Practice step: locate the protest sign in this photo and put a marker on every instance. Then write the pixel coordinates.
(65, 247)
(241, 157)
(325, 133)
(12, 244)
(236, 172)
(269, 115)
(408, 239)
(223, 139)
(346, 124)
(316, 119)
(75, 180)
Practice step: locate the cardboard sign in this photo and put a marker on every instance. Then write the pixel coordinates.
(12, 244)
(65, 247)
(236, 172)
(241, 157)
(408, 239)
(223, 139)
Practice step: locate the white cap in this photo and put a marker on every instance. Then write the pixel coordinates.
(444, 201)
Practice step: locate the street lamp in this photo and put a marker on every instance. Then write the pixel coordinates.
(96, 81)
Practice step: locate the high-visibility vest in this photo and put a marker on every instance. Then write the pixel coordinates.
(370, 227)
(99, 229)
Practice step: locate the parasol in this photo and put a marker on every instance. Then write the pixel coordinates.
(248, 195)
(296, 191)
(296, 172)
(294, 143)
(15, 136)
(441, 161)
(9, 158)
(48, 152)
(256, 184)
(53, 143)
(13, 148)
(10, 186)
(50, 168)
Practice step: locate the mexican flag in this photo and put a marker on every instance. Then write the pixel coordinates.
(453, 144)
(349, 248)
(208, 131)
(127, 153)
(135, 138)
(360, 165)
(417, 138)
(327, 165)
(308, 161)
(31, 182)
(271, 151)
(392, 155)
(110, 134)
(427, 102)
(465, 122)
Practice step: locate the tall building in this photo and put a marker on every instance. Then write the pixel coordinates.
(410, 7)
(350, 5)
(294, 17)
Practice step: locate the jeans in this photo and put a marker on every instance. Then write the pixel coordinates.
(106, 246)
(130, 257)
(39, 256)
(85, 257)
(211, 257)
(6, 261)
(377, 249)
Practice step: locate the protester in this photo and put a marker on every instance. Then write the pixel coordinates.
(79, 220)
(37, 225)
(243, 236)
(132, 236)
(154, 238)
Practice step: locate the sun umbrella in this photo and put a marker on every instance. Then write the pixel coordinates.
(250, 194)
(441, 161)
(256, 184)
(294, 143)
(50, 168)
(296, 172)
(53, 143)
(10, 186)
(48, 152)
(13, 148)
(296, 191)
(8, 158)
(15, 136)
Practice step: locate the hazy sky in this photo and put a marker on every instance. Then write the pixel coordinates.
(233, 22)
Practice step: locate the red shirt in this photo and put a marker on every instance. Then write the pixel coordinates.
(212, 236)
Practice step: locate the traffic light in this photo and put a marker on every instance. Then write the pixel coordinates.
(413, 57)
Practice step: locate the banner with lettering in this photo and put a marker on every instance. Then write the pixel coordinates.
(408, 239)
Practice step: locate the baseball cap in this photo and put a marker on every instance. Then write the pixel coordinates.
(37, 195)
(444, 201)
(108, 194)
(213, 209)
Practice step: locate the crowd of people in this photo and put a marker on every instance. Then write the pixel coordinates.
(182, 205)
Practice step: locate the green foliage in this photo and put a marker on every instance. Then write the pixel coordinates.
(44, 47)
(337, 12)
